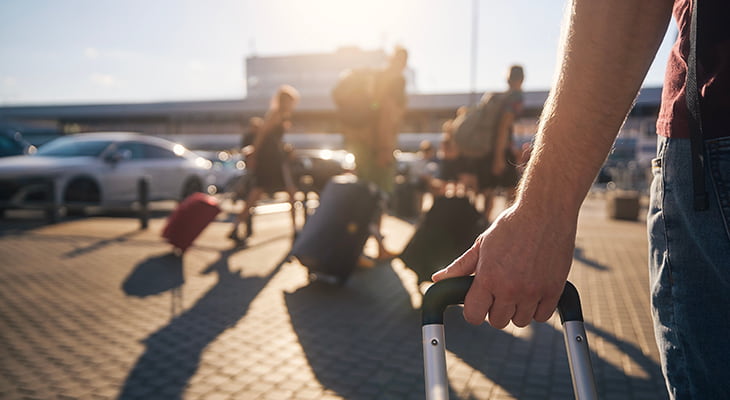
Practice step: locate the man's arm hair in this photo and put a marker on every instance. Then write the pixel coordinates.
(606, 51)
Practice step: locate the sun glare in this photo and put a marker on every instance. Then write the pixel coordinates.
(349, 23)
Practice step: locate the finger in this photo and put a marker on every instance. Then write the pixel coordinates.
(477, 303)
(464, 265)
(524, 314)
(501, 313)
(545, 308)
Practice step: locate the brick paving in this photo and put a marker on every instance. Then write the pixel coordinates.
(96, 308)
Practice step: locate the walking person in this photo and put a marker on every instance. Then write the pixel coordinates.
(373, 144)
(606, 51)
(243, 184)
(268, 161)
(498, 169)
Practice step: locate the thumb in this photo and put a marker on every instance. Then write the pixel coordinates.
(464, 265)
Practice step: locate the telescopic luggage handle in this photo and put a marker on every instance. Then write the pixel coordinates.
(453, 291)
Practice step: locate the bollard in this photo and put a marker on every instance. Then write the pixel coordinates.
(52, 206)
(623, 204)
(143, 197)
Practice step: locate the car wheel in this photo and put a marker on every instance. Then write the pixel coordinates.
(79, 194)
(191, 186)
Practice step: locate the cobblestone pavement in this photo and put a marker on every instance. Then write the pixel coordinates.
(96, 308)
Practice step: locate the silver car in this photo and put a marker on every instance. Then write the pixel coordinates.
(101, 169)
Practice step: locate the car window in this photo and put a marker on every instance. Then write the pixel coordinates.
(72, 147)
(133, 150)
(9, 146)
(152, 151)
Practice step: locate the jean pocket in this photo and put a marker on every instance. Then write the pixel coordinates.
(718, 151)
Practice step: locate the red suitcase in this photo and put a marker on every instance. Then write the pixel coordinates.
(189, 219)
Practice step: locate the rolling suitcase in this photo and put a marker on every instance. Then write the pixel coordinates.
(189, 219)
(332, 239)
(452, 292)
(447, 230)
(405, 199)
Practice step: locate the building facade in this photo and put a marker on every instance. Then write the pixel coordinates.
(219, 124)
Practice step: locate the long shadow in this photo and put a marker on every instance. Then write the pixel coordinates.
(363, 341)
(536, 366)
(100, 244)
(172, 354)
(154, 275)
(579, 255)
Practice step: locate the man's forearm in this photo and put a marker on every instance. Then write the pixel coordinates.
(606, 50)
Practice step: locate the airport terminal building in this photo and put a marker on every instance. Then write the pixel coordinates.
(219, 124)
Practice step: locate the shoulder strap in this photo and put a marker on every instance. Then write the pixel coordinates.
(695, 119)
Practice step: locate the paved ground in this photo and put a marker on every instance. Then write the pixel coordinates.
(96, 308)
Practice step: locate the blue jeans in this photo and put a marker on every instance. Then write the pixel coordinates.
(690, 270)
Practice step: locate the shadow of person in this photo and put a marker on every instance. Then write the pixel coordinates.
(532, 362)
(172, 354)
(361, 340)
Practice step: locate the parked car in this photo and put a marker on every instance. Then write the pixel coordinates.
(227, 168)
(12, 143)
(101, 169)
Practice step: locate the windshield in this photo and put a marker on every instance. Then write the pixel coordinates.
(71, 147)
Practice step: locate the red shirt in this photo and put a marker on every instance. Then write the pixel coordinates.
(713, 71)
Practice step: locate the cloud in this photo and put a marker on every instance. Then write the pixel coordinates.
(105, 80)
(9, 81)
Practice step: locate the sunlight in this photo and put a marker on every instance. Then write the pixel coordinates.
(362, 24)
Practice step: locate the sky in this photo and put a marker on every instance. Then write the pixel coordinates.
(130, 51)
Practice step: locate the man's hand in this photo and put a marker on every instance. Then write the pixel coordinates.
(521, 264)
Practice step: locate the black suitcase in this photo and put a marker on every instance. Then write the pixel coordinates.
(405, 202)
(452, 292)
(447, 230)
(332, 239)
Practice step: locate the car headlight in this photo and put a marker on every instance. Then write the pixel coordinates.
(203, 163)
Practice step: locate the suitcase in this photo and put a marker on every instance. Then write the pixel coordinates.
(405, 199)
(332, 238)
(189, 219)
(452, 292)
(447, 230)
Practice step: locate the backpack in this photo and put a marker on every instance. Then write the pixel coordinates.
(353, 96)
(475, 133)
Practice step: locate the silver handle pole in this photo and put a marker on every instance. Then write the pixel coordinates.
(579, 360)
(434, 360)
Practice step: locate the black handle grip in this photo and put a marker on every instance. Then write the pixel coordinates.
(453, 291)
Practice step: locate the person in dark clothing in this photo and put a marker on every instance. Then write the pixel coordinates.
(499, 168)
(249, 134)
(267, 159)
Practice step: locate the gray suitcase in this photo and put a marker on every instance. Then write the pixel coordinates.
(452, 292)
